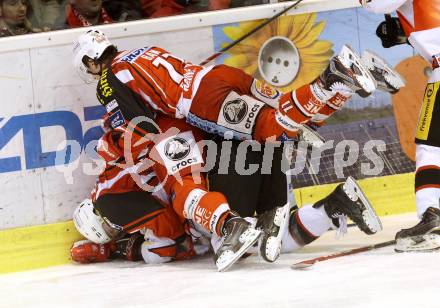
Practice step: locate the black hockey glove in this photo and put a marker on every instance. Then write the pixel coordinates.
(129, 247)
(391, 32)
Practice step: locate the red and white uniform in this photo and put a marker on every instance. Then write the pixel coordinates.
(203, 95)
(171, 160)
(165, 82)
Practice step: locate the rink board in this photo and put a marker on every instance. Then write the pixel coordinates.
(49, 120)
(47, 245)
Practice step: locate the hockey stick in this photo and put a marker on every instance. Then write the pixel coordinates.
(310, 262)
(221, 51)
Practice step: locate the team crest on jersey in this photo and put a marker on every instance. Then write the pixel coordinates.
(177, 148)
(266, 90)
(235, 111)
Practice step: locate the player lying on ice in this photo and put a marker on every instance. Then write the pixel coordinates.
(121, 208)
(218, 99)
(418, 23)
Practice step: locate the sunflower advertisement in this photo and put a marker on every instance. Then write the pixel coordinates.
(294, 50)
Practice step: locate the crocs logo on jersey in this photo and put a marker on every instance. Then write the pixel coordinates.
(177, 149)
(235, 111)
(251, 117)
(313, 106)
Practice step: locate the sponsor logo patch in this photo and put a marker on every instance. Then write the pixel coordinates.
(235, 111)
(111, 106)
(116, 119)
(202, 217)
(266, 90)
(239, 114)
(179, 152)
(177, 148)
(103, 84)
(425, 116)
(134, 55)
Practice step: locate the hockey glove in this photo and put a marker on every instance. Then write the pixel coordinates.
(88, 252)
(391, 32)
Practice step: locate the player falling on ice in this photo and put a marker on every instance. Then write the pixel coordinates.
(219, 98)
(418, 23)
(135, 83)
(119, 206)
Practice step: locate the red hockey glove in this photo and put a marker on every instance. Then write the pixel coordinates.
(88, 252)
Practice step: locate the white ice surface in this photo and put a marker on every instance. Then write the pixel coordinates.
(375, 279)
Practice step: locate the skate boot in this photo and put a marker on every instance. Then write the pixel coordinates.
(425, 236)
(273, 224)
(349, 200)
(238, 237)
(387, 79)
(346, 73)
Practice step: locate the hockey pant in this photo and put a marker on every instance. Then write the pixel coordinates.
(252, 183)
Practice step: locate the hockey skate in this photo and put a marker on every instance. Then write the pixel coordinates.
(346, 73)
(238, 237)
(349, 200)
(425, 236)
(273, 224)
(386, 77)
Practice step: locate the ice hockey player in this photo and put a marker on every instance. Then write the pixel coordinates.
(176, 160)
(150, 80)
(263, 194)
(418, 23)
(217, 99)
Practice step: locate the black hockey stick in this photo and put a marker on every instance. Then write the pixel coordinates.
(310, 262)
(221, 51)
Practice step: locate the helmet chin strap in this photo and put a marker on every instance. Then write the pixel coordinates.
(97, 74)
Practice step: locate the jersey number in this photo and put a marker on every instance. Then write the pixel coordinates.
(161, 61)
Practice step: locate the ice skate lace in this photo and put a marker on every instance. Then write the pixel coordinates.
(343, 225)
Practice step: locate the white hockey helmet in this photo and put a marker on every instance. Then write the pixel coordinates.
(92, 44)
(90, 224)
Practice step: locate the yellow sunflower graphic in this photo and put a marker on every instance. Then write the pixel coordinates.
(287, 53)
